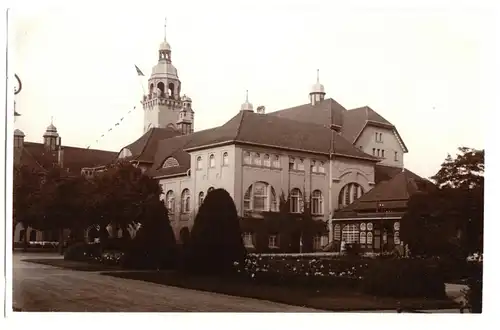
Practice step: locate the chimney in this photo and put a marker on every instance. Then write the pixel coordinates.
(60, 156)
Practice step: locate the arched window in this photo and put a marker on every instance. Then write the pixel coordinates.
(291, 163)
(276, 161)
(260, 197)
(199, 163)
(186, 199)
(225, 159)
(211, 161)
(170, 162)
(350, 233)
(267, 160)
(151, 88)
(317, 202)
(362, 237)
(171, 88)
(170, 201)
(210, 189)
(256, 159)
(201, 196)
(161, 87)
(349, 193)
(369, 237)
(247, 158)
(336, 232)
(296, 205)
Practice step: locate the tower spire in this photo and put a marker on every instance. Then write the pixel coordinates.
(317, 76)
(246, 99)
(165, 30)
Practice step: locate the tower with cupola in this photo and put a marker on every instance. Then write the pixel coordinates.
(317, 93)
(163, 105)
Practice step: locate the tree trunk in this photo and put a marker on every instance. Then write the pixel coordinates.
(25, 245)
(61, 241)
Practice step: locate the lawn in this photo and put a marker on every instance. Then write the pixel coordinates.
(337, 299)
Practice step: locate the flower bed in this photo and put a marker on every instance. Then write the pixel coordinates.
(37, 245)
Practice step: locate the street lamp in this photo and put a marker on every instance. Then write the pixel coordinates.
(17, 90)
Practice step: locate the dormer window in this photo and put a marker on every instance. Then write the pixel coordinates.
(199, 163)
(170, 162)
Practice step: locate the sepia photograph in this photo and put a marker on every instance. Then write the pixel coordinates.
(247, 157)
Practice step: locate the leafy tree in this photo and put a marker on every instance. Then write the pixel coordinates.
(449, 220)
(26, 193)
(464, 171)
(216, 242)
(119, 196)
(62, 203)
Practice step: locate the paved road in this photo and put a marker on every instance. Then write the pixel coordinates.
(45, 288)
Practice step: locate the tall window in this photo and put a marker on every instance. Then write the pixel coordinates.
(291, 163)
(350, 233)
(170, 201)
(321, 167)
(276, 161)
(349, 193)
(383, 155)
(201, 196)
(373, 151)
(247, 158)
(210, 189)
(395, 156)
(257, 160)
(199, 164)
(186, 199)
(225, 159)
(248, 239)
(336, 232)
(369, 237)
(314, 166)
(212, 161)
(317, 202)
(267, 160)
(296, 201)
(260, 197)
(300, 165)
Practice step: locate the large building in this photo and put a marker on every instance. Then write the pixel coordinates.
(317, 151)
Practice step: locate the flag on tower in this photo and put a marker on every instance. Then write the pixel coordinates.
(139, 72)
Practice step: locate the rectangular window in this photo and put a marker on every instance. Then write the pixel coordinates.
(383, 156)
(317, 243)
(276, 161)
(273, 241)
(396, 156)
(248, 239)
(378, 152)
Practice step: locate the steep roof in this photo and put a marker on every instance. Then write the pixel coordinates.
(144, 148)
(321, 113)
(248, 127)
(36, 156)
(352, 122)
(392, 194)
(271, 131)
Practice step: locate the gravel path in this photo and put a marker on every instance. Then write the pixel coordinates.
(45, 288)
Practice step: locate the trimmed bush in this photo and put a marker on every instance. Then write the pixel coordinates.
(154, 246)
(82, 252)
(404, 278)
(216, 243)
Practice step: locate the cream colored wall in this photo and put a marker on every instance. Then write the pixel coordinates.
(389, 144)
(179, 220)
(345, 171)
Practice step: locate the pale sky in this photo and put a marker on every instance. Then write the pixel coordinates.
(423, 69)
